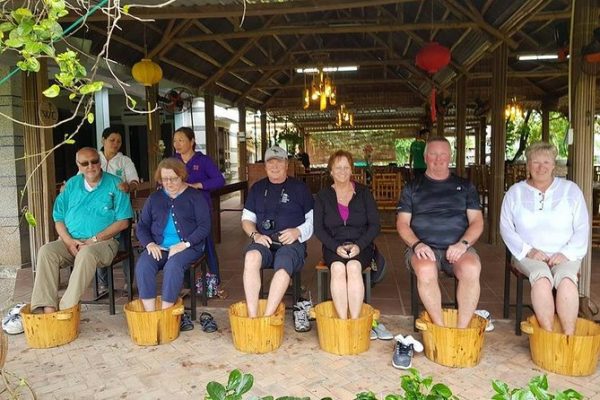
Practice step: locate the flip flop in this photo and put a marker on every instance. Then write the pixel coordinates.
(207, 322)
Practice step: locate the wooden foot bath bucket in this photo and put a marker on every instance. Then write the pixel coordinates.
(256, 335)
(450, 346)
(575, 355)
(344, 336)
(153, 327)
(43, 331)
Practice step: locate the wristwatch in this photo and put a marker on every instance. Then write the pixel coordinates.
(466, 243)
(94, 239)
(187, 245)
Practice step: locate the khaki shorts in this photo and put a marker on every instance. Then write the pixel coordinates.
(535, 270)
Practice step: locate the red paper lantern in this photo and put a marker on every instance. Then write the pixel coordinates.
(433, 57)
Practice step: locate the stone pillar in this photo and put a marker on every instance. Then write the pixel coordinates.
(242, 150)
(582, 112)
(264, 141)
(209, 119)
(498, 141)
(461, 116)
(14, 234)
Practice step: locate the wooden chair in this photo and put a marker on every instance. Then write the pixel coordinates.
(125, 255)
(360, 177)
(510, 269)
(323, 283)
(415, 300)
(386, 188)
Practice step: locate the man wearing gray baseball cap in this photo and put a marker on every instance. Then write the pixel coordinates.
(278, 219)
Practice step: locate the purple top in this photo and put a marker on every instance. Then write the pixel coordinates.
(344, 212)
(201, 168)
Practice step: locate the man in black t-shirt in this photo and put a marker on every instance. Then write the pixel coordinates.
(278, 218)
(439, 219)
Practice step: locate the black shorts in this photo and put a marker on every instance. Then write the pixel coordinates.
(440, 259)
(364, 257)
(289, 257)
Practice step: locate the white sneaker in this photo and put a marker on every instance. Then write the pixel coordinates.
(16, 309)
(306, 305)
(13, 325)
(485, 314)
(382, 332)
(373, 334)
(406, 340)
(301, 322)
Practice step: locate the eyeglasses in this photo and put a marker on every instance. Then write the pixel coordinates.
(171, 180)
(542, 197)
(95, 161)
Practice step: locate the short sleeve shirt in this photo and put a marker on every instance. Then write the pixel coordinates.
(439, 208)
(417, 149)
(84, 213)
(286, 204)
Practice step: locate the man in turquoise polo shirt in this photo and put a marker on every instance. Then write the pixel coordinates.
(88, 215)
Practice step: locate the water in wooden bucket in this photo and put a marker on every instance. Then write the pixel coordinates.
(575, 355)
(256, 335)
(43, 331)
(451, 346)
(153, 327)
(343, 336)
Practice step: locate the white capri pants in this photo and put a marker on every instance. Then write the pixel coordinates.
(536, 269)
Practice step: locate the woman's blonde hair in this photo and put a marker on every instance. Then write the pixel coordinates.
(541, 147)
(339, 154)
(174, 164)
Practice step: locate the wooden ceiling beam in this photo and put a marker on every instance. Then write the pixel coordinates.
(320, 29)
(287, 66)
(237, 10)
(119, 39)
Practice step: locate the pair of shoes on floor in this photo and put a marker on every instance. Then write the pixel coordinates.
(12, 323)
(404, 350)
(186, 323)
(485, 314)
(379, 331)
(301, 315)
(207, 322)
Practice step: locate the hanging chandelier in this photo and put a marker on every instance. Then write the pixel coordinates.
(513, 110)
(321, 89)
(344, 117)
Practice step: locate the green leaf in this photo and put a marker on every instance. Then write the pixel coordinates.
(245, 384)
(500, 387)
(126, 9)
(216, 391)
(30, 219)
(15, 42)
(442, 390)
(90, 118)
(7, 26)
(70, 141)
(52, 91)
(21, 14)
(72, 96)
(235, 377)
(91, 87)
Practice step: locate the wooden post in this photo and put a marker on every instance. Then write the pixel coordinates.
(42, 185)
(498, 141)
(482, 139)
(461, 114)
(209, 119)
(242, 150)
(582, 106)
(545, 121)
(153, 131)
(477, 129)
(264, 143)
(440, 124)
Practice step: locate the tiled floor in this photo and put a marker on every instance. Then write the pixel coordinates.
(103, 363)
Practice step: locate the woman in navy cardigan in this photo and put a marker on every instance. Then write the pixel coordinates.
(174, 224)
(346, 222)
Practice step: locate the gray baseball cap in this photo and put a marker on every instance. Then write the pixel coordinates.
(275, 152)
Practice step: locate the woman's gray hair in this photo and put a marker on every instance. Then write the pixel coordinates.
(541, 147)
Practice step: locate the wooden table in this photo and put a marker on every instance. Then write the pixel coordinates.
(230, 187)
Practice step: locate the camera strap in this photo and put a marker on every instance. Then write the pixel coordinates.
(282, 195)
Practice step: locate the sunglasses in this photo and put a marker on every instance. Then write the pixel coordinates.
(86, 163)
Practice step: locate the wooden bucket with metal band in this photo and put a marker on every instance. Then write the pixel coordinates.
(256, 335)
(43, 331)
(575, 355)
(149, 328)
(344, 336)
(451, 346)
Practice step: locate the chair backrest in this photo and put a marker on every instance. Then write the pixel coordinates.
(137, 204)
(360, 177)
(386, 188)
(144, 190)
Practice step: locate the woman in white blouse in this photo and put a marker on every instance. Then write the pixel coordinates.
(115, 162)
(545, 225)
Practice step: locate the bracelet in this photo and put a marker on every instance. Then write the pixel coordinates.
(414, 246)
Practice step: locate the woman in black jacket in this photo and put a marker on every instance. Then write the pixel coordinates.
(346, 222)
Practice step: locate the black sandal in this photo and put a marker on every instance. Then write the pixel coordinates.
(207, 322)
